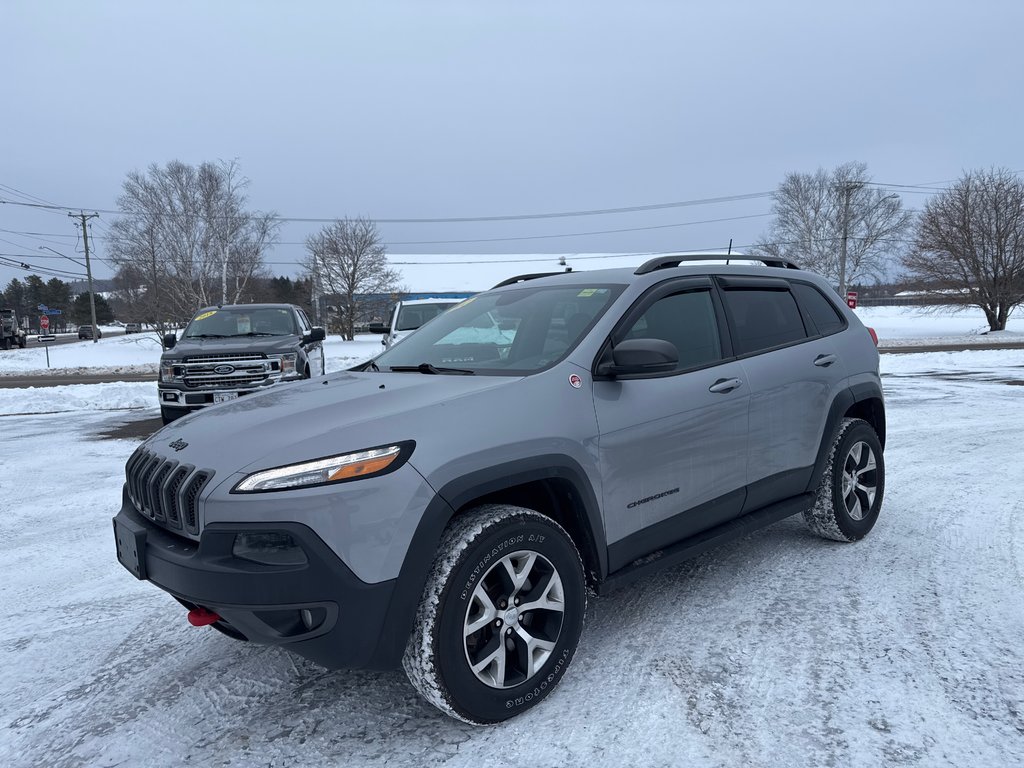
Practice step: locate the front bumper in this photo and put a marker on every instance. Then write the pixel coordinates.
(188, 400)
(264, 603)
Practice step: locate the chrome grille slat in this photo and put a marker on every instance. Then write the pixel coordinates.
(198, 371)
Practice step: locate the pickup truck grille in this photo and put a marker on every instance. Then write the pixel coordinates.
(227, 370)
(165, 491)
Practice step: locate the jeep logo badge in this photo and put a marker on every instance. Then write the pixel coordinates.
(178, 445)
(224, 370)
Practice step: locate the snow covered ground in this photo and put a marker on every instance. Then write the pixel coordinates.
(781, 649)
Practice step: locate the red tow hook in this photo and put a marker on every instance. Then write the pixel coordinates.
(200, 617)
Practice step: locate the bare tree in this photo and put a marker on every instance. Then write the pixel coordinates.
(186, 240)
(969, 244)
(348, 262)
(816, 212)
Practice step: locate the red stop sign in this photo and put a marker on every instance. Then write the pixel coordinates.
(44, 322)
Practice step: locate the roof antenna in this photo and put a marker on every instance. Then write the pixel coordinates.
(728, 253)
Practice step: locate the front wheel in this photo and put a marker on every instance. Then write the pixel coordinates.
(500, 617)
(849, 496)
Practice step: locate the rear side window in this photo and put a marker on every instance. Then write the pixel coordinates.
(823, 313)
(686, 320)
(763, 318)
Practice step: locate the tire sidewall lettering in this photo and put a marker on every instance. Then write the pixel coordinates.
(463, 689)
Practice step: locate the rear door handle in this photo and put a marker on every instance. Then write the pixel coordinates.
(824, 361)
(725, 385)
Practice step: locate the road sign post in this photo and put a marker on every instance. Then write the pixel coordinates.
(45, 341)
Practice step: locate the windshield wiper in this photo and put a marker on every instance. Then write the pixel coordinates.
(206, 336)
(429, 368)
(259, 333)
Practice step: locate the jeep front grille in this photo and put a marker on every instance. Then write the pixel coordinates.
(200, 371)
(165, 491)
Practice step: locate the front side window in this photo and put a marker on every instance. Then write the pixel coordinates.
(514, 332)
(763, 318)
(241, 321)
(687, 321)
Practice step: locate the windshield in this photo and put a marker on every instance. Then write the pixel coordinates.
(247, 321)
(505, 332)
(412, 316)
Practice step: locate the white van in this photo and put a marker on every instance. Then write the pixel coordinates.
(409, 315)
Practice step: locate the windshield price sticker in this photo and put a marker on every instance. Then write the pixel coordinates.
(204, 315)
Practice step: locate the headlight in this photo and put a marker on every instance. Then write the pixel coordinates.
(333, 469)
(166, 372)
(288, 364)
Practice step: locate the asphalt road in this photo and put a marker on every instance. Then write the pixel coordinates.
(58, 379)
(66, 338)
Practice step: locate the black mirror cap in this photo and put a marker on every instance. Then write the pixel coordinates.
(640, 356)
(317, 334)
(170, 340)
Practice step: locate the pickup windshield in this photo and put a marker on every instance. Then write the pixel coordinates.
(241, 321)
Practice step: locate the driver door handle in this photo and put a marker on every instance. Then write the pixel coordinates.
(725, 385)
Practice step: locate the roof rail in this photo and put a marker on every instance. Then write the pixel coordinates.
(524, 278)
(664, 262)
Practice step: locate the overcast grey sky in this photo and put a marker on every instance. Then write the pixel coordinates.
(454, 109)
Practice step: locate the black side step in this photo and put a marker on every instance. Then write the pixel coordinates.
(702, 542)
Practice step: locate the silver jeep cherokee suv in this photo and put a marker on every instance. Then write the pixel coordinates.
(449, 504)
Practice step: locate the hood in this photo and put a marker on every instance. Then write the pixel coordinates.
(314, 418)
(270, 345)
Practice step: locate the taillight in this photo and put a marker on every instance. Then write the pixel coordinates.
(874, 336)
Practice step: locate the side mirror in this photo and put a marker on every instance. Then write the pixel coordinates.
(170, 339)
(639, 356)
(317, 334)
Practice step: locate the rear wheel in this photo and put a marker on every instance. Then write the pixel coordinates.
(22, 341)
(501, 615)
(849, 496)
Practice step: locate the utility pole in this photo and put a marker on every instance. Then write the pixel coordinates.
(848, 188)
(88, 269)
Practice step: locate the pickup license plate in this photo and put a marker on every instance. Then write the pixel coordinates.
(131, 547)
(223, 397)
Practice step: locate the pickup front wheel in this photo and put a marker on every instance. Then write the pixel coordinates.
(501, 615)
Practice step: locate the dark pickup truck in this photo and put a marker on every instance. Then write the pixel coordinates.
(232, 350)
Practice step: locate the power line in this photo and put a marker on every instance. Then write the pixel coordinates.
(450, 219)
(53, 272)
(574, 234)
(111, 238)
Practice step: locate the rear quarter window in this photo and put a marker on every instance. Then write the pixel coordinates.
(823, 312)
(762, 319)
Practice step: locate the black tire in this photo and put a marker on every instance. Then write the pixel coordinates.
(849, 496)
(5, 342)
(22, 341)
(170, 414)
(474, 557)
